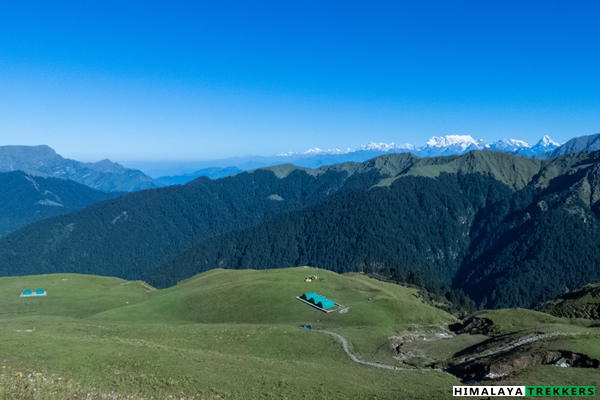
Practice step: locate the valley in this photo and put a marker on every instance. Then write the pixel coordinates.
(262, 200)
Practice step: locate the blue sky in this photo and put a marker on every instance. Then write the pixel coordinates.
(149, 80)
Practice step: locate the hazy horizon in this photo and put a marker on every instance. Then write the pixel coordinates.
(197, 82)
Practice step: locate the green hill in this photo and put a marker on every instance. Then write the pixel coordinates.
(374, 309)
(69, 295)
(235, 335)
(105, 334)
(581, 303)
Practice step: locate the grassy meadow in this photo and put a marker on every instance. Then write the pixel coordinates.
(235, 335)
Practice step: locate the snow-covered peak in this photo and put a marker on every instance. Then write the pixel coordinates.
(313, 152)
(286, 154)
(463, 141)
(386, 147)
(546, 142)
(441, 145)
(317, 150)
(510, 145)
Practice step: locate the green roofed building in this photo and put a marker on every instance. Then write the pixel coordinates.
(309, 296)
(325, 303)
(30, 293)
(317, 300)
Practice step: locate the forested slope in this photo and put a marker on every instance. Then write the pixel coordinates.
(508, 231)
(467, 231)
(126, 236)
(26, 198)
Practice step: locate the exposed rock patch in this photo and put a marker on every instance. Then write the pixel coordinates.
(475, 326)
(519, 359)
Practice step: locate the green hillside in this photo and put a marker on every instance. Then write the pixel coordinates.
(138, 231)
(466, 223)
(268, 296)
(235, 335)
(581, 303)
(104, 334)
(375, 309)
(28, 197)
(505, 231)
(69, 295)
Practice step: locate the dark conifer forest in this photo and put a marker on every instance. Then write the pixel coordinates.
(482, 229)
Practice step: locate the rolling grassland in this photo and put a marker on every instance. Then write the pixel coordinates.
(235, 335)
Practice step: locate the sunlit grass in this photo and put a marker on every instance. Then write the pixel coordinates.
(229, 335)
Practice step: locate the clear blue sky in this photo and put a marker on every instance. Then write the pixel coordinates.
(148, 80)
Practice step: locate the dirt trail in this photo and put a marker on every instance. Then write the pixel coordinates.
(372, 364)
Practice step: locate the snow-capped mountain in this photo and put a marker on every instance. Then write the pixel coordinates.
(438, 146)
(459, 141)
(313, 152)
(451, 144)
(545, 144)
(509, 145)
(384, 147)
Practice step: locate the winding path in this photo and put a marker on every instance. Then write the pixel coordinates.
(372, 364)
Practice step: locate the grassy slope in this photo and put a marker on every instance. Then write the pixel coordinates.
(234, 334)
(581, 303)
(69, 295)
(376, 309)
(199, 335)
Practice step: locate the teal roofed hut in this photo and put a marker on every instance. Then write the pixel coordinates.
(30, 293)
(326, 303)
(309, 296)
(317, 300)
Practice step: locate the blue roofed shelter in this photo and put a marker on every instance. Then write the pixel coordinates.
(317, 300)
(309, 296)
(325, 303)
(30, 293)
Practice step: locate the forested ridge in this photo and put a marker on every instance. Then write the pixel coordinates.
(126, 236)
(29, 197)
(507, 231)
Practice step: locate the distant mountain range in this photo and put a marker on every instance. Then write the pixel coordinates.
(507, 230)
(104, 175)
(315, 158)
(108, 176)
(443, 145)
(436, 146)
(575, 145)
(211, 173)
(27, 198)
